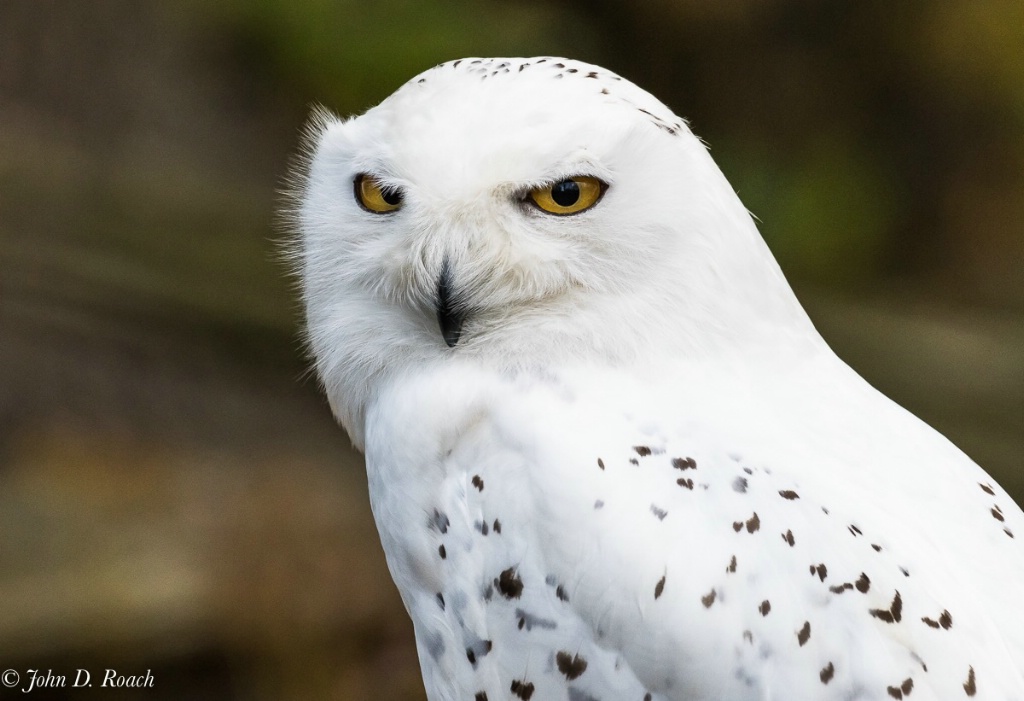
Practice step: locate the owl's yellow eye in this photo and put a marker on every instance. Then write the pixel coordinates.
(375, 197)
(568, 196)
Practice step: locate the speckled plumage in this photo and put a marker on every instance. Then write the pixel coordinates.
(639, 473)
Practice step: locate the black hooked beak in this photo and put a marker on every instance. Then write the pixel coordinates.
(449, 318)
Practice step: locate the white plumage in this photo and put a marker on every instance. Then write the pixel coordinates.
(609, 456)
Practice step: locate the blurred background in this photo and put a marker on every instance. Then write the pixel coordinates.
(174, 495)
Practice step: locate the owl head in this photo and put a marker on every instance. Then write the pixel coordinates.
(521, 213)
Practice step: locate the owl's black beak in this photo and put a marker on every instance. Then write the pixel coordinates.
(449, 316)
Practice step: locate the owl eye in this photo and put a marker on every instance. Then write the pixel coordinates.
(568, 196)
(375, 197)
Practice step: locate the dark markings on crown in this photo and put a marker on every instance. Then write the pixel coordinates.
(827, 673)
(945, 621)
(478, 483)
(572, 666)
(509, 583)
(789, 494)
(891, 615)
(970, 686)
(765, 607)
(804, 634)
(659, 587)
(708, 599)
(684, 463)
(788, 537)
(523, 690)
(659, 512)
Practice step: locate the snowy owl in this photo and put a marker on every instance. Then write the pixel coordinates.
(609, 456)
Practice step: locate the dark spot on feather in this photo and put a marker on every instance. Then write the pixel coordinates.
(732, 565)
(440, 522)
(819, 570)
(660, 513)
(789, 494)
(893, 614)
(642, 450)
(970, 687)
(877, 548)
(558, 65)
(521, 67)
(748, 636)
(509, 584)
(481, 696)
(599, 504)
(748, 470)
(560, 593)
(788, 537)
(471, 656)
(863, 584)
(497, 526)
(804, 634)
(572, 666)
(572, 70)
(945, 621)
(824, 510)
(442, 552)
(840, 588)
(827, 673)
(522, 689)
(478, 483)
(634, 461)
(997, 515)
(592, 74)
(904, 571)
(1008, 532)
(895, 692)
(855, 531)
(647, 697)
(659, 587)
(440, 600)
(684, 463)
(765, 607)
(456, 65)
(737, 526)
(708, 599)
(600, 463)
(739, 485)
(986, 488)
(907, 686)
(422, 80)
(684, 482)
(604, 91)
(753, 523)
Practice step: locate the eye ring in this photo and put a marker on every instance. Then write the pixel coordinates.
(568, 196)
(375, 197)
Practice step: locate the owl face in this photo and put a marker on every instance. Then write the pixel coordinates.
(510, 210)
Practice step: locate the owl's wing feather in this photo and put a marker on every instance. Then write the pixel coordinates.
(583, 539)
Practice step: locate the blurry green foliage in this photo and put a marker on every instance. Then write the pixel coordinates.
(349, 54)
